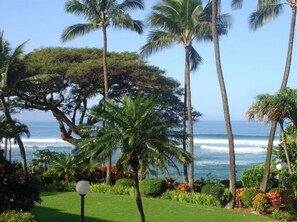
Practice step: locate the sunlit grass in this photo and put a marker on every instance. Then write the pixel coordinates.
(65, 207)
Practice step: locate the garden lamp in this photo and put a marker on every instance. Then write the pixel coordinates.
(82, 187)
(279, 167)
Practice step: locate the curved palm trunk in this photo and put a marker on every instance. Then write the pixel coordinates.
(106, 96)
(284, 139)
(232, 174)
(135, 165)
(17, 137)
(189, 112)
(265, 179)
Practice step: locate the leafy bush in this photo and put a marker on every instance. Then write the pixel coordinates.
(100, 188)
(281, 215)
(14, 194)
(194, 198)
(290, 182)
(290, 203)
(15, 216)
(184, 187)
(152, 187)
(248, 195)
(216, 190)
(261, 202)
(124, 182)
(275, 199)
(118, 190)
(239, 196)
(252, 177)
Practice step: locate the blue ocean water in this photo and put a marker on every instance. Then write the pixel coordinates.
(210, 140)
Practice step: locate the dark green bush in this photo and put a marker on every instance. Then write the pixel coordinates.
(15, 216)
(124, 182)
(248, 195)
(252, 177)
(214, 189)
(152, 187)
(14, 194)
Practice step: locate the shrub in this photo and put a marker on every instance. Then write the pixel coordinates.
(248, 195)
(290, 203)
(170, 183)
(194, 198)
(281, 215)
(252, 177)
(100, 188)
(216, 190)
(124, 182)
(275, 198)
(184, 187)
(14, 194)
(261, 202)
(239, 196)
(152, 187)
(15, 216)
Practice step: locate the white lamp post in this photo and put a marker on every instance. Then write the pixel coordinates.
(82, 187)
(279, 167)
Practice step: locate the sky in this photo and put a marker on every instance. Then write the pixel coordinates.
(252, 62)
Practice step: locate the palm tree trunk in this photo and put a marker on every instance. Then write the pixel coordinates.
(106, 96)
(265, 179)
(137, 191)
(17, 137)
(189, 112)
(284, 139)
(232, 171)
(186, 178)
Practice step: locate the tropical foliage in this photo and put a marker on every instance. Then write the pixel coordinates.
(181, 22)
(138, 129)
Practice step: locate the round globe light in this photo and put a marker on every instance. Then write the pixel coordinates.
(83, 187)
(279, 166)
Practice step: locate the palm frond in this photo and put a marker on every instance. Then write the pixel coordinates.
(156, 41)
(195, 58)
(77, 30)
(264, 14)
(236, 4)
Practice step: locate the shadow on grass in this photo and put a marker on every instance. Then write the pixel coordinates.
(44, 214)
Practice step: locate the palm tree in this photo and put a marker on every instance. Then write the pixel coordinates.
(277, 108)
(232, 172)
(182, 22)
(266, 11)
(100, 14)
(65, 165)
(10, 70)
(137, 128)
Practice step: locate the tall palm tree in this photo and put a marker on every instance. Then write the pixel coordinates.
(7, 133)
(232, 170)
(101, 14)
(277, 108)
(145, 138)
(10, 71)
(266, 11)
(182, 22)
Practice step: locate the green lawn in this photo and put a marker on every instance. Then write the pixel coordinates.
(65, 207)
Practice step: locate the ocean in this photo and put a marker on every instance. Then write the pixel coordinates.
(210, 140)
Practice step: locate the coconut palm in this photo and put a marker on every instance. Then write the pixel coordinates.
(11, 69)
(182, 22)
(265, 12)
(232, 171)
(144, 137)
(276, 108)
(101, 14)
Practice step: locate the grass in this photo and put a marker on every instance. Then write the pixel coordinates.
(65, 207)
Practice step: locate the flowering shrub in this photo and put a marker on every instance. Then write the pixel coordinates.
(261, 202)
(248, 195)
(239, 196)
(184, 187)
(275, 199)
